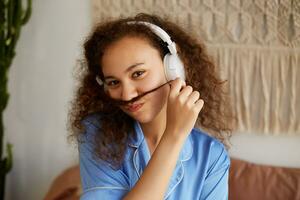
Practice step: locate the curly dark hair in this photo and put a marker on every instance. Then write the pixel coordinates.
(201, 73)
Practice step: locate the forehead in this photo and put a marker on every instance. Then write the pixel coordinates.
(127, 51)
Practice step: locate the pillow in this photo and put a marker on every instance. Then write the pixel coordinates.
(66, 186)
(249, 181)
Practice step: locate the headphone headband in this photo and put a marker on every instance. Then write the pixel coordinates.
(160, 33)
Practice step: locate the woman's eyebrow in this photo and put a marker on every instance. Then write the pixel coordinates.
(133, 66)
(127, 70)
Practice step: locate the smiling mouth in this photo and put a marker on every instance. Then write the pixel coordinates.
(134, 107)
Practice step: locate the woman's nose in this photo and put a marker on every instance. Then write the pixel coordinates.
(128, 92)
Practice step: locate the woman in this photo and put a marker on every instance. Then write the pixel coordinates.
(134, 120)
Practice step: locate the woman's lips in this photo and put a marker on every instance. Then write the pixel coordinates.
(134, 107)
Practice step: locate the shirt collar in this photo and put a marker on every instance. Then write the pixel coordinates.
(136, 139)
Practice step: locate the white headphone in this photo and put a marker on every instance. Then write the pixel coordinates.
(172, 64)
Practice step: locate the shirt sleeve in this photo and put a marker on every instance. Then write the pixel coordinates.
(216, 180)
(98, 179)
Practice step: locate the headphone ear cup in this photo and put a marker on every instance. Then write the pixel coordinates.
(101, 83)
(174, 67)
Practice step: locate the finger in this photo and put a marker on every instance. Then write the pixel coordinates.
(194, 96)
(176, 86)
(199, 105)
(186, 92)
(174, 83)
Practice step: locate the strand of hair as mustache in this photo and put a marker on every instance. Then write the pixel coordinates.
(122, 102)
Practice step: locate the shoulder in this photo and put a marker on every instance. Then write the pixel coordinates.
(208, 149)
(205, 140)
(93, 119)
(98, 177)
(91, 125)
(88, 140)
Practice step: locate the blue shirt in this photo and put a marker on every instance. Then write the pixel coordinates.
(201, 170)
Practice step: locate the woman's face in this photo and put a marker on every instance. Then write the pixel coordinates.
(131, 66)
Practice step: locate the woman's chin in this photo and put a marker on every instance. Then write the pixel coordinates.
(143, 120)
(141, 117)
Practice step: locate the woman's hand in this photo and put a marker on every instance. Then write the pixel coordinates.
(183, 108)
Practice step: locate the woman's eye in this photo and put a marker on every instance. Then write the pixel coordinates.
(137, 74)
(112, 83)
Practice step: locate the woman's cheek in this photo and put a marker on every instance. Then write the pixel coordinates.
(151, 81)
(112, 94)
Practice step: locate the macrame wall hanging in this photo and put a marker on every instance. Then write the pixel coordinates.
(255, 43)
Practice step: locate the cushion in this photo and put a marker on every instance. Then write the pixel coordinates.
(66, 186)
(248, 181)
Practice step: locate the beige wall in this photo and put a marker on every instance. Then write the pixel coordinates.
(281, 150)
(40, 85)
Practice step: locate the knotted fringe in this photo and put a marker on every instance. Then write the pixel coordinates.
(264, 84)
